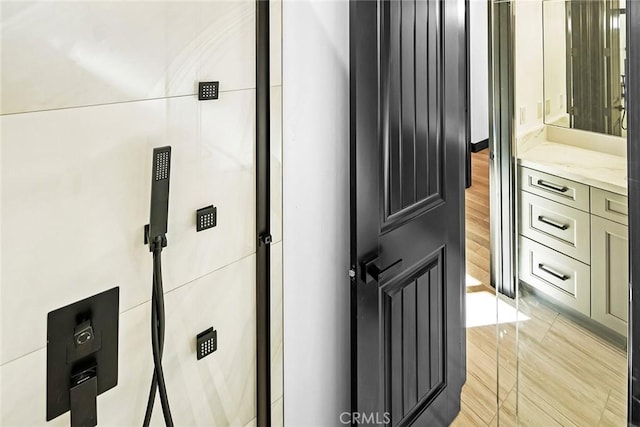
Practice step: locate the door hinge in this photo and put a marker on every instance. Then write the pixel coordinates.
(352, 273)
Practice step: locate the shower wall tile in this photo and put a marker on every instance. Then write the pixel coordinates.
(276, 163)
(275, 39)
(218, 390)
(117, 79)
(67, 54)
(75, 197)
(277, 413)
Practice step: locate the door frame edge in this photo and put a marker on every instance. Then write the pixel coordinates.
(263, 215)
(633, 193)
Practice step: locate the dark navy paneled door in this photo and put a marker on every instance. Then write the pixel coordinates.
(408, 83)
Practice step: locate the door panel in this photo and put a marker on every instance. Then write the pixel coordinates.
(413, 149)
(408, 165)
(414, 338)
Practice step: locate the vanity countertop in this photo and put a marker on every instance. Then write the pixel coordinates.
(589, 167)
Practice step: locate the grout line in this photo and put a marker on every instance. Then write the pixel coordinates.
(204, 275)
(494, 418)
(486, 388)
(553, 415)
(120, 102)
(504, 402)
(544, 337)
(606, 402)
(21, 356)
(560, 407)
(470, 409)
(142, 303)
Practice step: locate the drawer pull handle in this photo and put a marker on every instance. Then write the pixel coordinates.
(554, 187)
(552, 272)
(553, 223)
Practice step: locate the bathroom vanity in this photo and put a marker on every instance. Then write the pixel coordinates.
(572, 222)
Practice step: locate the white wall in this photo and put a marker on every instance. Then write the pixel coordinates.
(528, 64)
(87, 90)
(623, 36)
(555, 61)
(316, 211)
(479, 69)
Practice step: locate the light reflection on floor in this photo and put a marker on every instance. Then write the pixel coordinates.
(472, 281)
(484, 309)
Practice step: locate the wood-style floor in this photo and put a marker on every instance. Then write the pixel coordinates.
(555, 372)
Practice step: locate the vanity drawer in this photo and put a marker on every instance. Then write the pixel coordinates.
(561, 277)
(609, 205)
(557, 226)
(553, 187)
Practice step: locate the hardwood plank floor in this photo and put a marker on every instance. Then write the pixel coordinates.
(552, 371)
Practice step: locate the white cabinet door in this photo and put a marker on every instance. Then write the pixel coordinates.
(609, 273)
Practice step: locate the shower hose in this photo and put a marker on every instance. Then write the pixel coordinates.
(157, 337)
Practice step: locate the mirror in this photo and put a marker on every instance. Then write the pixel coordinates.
(584, 63)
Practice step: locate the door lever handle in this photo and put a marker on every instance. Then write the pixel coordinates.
(370, 269)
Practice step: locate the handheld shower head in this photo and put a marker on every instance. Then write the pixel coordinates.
(155, 236)
(159, 193)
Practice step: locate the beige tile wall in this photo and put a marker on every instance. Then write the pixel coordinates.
(87, 89)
